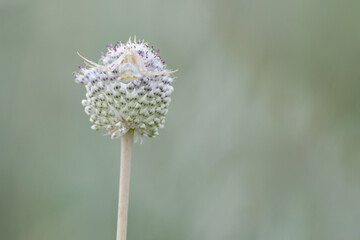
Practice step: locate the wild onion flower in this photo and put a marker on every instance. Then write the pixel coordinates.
(129, 89)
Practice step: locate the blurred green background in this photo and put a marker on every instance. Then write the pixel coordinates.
(262, 140)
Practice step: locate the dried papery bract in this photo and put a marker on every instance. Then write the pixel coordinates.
(127, 92)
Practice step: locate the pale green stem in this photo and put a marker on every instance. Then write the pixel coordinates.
(124, 185)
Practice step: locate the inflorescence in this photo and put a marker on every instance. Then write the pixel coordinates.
(130, 88)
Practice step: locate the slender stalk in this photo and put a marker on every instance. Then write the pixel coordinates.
(124, 185)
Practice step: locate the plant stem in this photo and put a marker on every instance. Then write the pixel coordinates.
(124, 185)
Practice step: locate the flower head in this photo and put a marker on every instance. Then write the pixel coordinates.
(129, 89)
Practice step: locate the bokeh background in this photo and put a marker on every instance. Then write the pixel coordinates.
(262, 140)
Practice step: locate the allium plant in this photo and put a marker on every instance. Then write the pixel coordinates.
(127, 92)
(129, 89)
